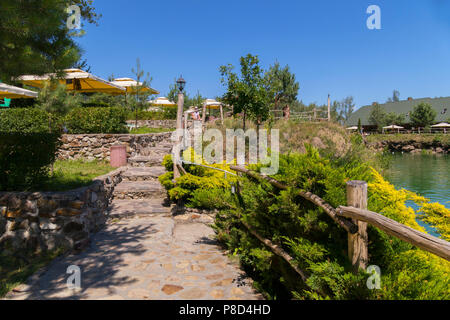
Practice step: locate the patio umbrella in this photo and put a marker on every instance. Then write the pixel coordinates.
(75, 80)
(212, 104)
(393, 127)
(162, 102)
(441, 125)
(130, 86)
(352, 128)
(12, 92)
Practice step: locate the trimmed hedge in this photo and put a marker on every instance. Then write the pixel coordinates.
(27, 149)
(25, 159)
(26, 120)
(166, 114)
(96, 120)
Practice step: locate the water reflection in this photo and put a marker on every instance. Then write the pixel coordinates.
(427, 175)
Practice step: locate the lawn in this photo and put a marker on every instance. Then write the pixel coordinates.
(15, 270)
(73, 174)
(145, 130)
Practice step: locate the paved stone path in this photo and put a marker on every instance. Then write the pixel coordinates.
(148, 255)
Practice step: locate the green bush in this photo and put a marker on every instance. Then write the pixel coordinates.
(165, 114)
(26, 120)
(96, 120)
(317, 244)
(25, 159)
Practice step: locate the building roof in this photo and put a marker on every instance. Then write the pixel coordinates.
(441, 105)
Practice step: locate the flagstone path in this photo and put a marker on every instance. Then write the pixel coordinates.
(145, 252)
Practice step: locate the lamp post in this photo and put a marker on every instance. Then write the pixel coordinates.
(181, 83)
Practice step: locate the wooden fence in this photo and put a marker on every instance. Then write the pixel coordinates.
(356, 227)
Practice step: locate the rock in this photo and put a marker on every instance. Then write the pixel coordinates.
(170, 289)
(46, 225)
(408, 148)
(68, 212)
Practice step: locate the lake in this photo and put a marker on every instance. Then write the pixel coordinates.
(427, 175)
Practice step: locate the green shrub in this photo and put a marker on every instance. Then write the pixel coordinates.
(96, 120)
(210, 199)
(26, 120)
(165, 114)
(318, 245)
(25, 159)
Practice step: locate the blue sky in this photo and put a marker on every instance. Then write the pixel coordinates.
(326, 44)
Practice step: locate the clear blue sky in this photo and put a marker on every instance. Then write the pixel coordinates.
(326, 44)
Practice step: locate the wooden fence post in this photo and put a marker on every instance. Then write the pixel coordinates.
(358, 242)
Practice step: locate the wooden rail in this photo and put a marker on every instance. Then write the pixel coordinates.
(357, 227)
(344, 223)
(419, 239)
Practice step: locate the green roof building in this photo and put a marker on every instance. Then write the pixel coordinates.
(441, 105)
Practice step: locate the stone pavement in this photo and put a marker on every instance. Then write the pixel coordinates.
(145, 253)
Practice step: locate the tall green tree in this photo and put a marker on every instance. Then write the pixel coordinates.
(248, 91)
(345, 108)
(395, 96)
(282, 85)
(377, 116)
(380, 118)
(423, 115)
(139, 100)
(57, 101)
(35, 38)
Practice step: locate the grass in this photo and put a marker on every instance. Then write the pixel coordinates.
(73, 174)
(15, 270)
(424, 138)
(145, 130)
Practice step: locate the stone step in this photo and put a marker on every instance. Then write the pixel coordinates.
(145, 161)
(143, 173)
(139, 190)
(131, 208)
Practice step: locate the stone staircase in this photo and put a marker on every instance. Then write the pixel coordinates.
(140, 193)
(151, 155)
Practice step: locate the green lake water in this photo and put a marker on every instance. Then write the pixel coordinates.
(427, 175)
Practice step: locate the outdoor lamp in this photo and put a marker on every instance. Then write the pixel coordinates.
(181, 83)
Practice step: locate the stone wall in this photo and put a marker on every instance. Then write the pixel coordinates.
(48, 220)
(154, 123)
(97, 146)
(411, 146)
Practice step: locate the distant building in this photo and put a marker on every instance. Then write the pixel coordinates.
(441, 105)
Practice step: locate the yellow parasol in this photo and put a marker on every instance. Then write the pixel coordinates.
(130, 86)
(75, 80)
(12, 92)
(162, 102)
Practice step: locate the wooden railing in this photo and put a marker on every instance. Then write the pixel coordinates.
(356, 228)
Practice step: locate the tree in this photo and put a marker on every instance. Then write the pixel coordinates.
(423, 115)
(57, 101)
(345, 108)
(282, 85)
(380, 118)
(138, 101)
(393, 118)
(35, 38)
(395, 96)
(359, 125)
(377, 116)
(247, 92)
